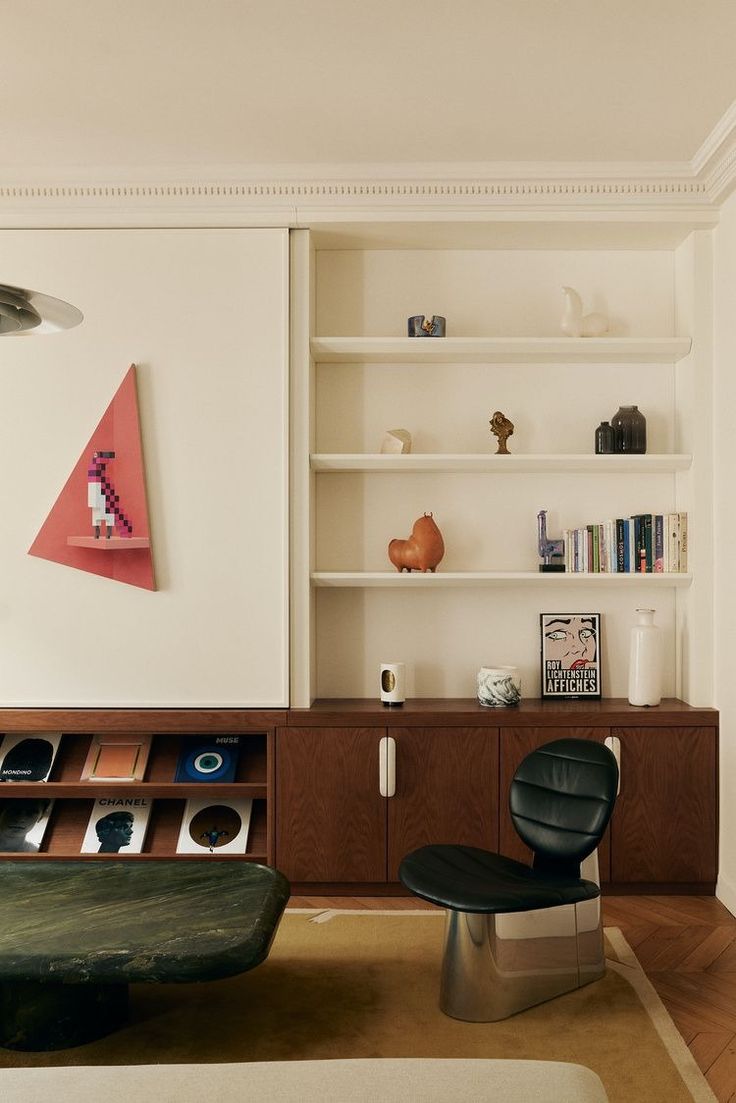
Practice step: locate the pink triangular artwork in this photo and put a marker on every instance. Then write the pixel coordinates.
(99, 522)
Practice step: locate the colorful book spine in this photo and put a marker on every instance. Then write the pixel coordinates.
(673, 541)
(611, 545)
(658, 543)
(648, 543)
(627, 544)
(620, 548)
(682, 519)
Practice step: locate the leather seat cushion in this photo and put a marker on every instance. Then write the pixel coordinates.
(468, 879)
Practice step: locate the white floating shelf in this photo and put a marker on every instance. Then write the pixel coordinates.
(650, 464)
(500, 350)
(450, 579)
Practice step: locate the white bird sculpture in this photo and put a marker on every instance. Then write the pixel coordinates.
(574, 324)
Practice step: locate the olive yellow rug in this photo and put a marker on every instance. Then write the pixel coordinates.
(365, 985)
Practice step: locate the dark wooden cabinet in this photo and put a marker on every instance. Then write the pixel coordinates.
(665, 822)
(446, 790)
(318, 812)
(334, 826)
(171, 730)
(454, 764)
(331, 817)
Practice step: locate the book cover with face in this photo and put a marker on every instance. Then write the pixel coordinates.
(117, 825)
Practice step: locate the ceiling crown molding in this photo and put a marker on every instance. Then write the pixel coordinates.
(294, 195)
(715, 161)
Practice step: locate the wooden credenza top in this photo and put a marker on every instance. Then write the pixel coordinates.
(177, 721)
(364, 712)
(610, 712)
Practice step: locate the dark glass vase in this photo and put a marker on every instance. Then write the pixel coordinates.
(605, 439)
(630, 430)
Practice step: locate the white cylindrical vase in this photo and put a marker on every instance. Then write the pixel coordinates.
(392, 684)
(645, 660)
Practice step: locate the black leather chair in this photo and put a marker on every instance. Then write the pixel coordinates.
(518, 935)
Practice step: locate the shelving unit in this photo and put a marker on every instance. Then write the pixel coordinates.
(73, 798)
(355, 377)
(550, 463)
(453, 579)
(499, 350)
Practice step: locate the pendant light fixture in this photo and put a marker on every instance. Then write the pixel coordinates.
(24, 312)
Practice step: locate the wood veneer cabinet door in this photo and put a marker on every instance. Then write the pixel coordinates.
(516, 744)
(330, 816)
(664, 825)
(446, 790)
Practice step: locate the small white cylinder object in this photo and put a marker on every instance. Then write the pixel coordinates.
(499, 686)
(645, 660)
(392, 684)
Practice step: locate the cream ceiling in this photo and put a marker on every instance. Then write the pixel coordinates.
(197, 86)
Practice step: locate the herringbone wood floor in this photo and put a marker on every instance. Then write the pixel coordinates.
(687, 947)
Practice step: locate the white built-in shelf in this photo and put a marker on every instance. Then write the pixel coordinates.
(500, 350)
(493, 464)
(453, 579)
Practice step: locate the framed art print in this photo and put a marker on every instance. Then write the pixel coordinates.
(571, 656)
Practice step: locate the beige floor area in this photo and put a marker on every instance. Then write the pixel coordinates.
(362, 986)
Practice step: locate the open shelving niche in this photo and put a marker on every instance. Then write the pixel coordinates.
(354, 376)
(74, 798)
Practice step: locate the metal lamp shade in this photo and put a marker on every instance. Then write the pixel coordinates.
(23, 312)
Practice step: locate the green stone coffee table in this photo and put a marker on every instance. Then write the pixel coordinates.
(75, 934)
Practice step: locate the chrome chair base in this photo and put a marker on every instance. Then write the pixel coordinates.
(496, 965)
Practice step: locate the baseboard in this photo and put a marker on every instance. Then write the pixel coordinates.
(726, 893)
(659, 888)
(609, 888)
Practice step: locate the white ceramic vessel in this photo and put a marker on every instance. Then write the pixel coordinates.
(645, 660)
(392, 684)
(499, 686)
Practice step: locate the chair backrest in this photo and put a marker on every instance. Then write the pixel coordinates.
(561, 800)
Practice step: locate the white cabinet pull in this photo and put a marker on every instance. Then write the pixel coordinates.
(387, 766)
(614, 744)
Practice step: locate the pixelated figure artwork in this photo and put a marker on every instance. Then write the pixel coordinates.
(102, 499)
(99, 522)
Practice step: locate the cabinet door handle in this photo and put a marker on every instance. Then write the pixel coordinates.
(614, 744)
(387, 766)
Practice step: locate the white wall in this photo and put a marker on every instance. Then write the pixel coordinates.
(725, 539)
(204, 315)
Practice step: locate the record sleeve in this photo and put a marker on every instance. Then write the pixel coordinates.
(116, 758)
(210, 826)
(117, 825)
(209, 760)
(23, 823)
(28, 756)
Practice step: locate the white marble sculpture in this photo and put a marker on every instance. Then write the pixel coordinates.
(576, 324)
(396, 442)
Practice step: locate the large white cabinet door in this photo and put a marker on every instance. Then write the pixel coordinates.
(204, 315)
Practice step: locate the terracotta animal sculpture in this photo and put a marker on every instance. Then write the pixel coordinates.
(422, 551)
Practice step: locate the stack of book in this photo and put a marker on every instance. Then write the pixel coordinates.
(647, 543)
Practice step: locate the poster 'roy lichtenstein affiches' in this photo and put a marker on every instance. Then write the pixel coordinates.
(571, 665)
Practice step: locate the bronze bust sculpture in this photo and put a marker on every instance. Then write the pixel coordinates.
(502, 428)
